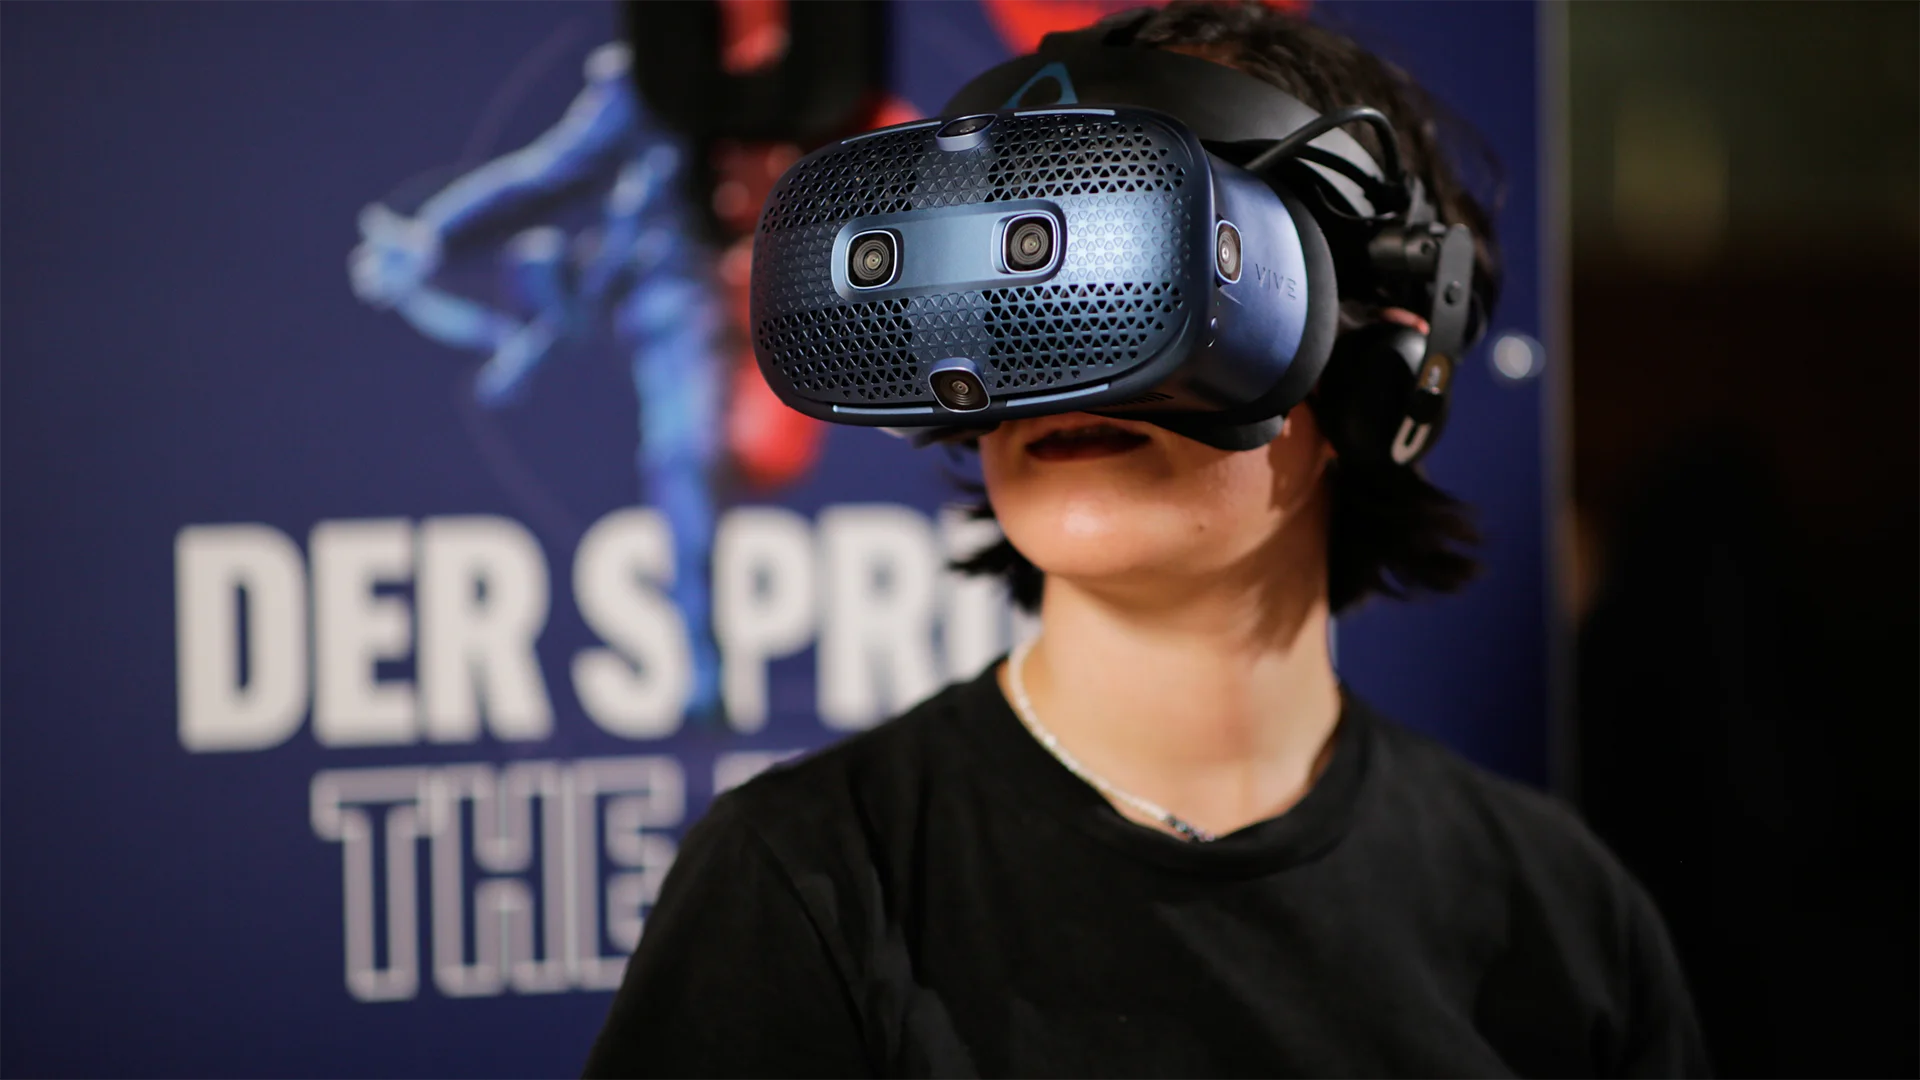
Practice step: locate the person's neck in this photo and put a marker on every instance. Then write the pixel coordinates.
(1215, 698)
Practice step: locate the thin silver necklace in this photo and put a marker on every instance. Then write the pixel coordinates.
(1023, 708)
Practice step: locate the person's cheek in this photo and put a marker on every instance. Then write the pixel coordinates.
(996, 462)
(1227, 498)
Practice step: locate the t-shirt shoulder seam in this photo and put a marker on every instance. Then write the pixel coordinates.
(1465, 770)
(1519, 807)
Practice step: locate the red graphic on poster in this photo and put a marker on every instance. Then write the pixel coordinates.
(769, 443)
(1022, 23)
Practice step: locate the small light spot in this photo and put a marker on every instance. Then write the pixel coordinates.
(1516, 357)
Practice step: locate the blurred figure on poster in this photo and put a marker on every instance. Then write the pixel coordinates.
(640, 267)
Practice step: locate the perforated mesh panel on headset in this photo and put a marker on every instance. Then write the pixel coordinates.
(1125, 190)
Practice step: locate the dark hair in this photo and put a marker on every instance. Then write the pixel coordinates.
(1390, 530)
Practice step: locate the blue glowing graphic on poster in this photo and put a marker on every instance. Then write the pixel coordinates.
(638, 268)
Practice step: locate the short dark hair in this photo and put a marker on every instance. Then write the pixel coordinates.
(1390, 530)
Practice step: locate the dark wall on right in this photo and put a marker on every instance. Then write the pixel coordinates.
(1744, 210)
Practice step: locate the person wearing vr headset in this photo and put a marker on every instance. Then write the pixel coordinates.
(1193, 282)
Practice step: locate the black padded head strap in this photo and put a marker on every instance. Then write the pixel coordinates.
(1220, 104)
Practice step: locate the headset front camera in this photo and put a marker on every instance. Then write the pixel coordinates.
(1030, 244)
(957, 387)
(1226, 252)
(964, 133)
(873, 259)
(966, 125)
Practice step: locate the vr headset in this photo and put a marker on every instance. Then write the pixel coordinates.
(1106, 228)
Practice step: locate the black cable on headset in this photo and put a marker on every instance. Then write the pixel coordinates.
(1291, 145)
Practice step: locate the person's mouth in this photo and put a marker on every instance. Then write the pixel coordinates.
(1083, 438)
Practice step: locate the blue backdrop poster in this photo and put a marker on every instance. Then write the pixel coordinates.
(359, 404)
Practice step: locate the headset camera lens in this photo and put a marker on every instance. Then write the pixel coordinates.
(959, 390)
(1227, 251)
(1029, 244)
(966, 125)
(872, 260)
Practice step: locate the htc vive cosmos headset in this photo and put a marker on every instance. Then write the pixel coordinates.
(1163, 239)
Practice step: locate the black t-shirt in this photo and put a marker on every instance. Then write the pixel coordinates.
(939, 896)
